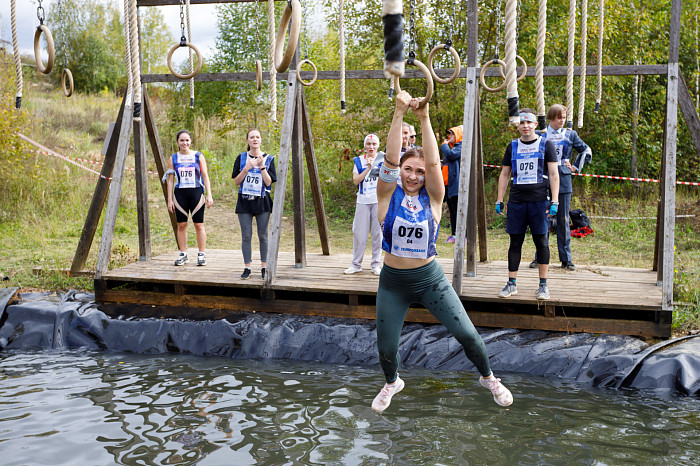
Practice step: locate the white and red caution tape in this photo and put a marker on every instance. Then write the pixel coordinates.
(610, 177)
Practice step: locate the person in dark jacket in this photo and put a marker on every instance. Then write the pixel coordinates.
(451, 149)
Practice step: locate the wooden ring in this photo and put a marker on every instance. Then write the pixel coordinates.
(522, 75)
(301, 81)
(432, 70)
(292, 12)
(49, 48)
(67, 91)
(428, 79)
(258, 74)
(482, 76)
(170, 61)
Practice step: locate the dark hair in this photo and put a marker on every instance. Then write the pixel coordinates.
(412, 152)
(555, 111)
(248, 134)
(182, 131)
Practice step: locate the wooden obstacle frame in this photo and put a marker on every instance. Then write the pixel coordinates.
(296, 139)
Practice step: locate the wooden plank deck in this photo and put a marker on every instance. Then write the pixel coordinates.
(591, 299)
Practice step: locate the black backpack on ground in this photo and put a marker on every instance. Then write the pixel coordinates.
(579, 219)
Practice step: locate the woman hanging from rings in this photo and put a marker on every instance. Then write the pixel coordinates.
(410, 218)
(192, 191)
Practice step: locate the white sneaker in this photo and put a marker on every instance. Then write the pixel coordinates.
(501, 395)
(376, 270)
(182, 259)
(383, 399)
(352, 269)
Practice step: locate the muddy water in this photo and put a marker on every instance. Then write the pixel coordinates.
(78, 407)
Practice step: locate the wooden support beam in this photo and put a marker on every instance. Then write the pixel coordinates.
(141, 176)
(157, 151)
(314, 179)
(549, 71)
(669, 180)
(689, 113)
(281, 184)
(480, 186)
(471, 205)
(98, 197)
(115, 190)
(298, 185)
(140, 3)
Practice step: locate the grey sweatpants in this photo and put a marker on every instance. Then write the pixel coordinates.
(366, 219)
(246, 221)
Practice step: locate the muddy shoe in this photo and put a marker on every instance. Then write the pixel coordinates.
(501, 395)
(383, 399)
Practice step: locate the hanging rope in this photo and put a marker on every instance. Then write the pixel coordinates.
(341, 38)
(539, 64)
(273, 71)
(601, 25)
(135, 59)
(18, 59)
(392, 20)
(584, 42)
(570, 65)
(511, 72)
(127, 53)
(189, 51)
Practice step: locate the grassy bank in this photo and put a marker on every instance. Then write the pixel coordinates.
(44, 206)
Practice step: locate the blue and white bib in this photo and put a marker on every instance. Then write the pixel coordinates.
(527, 161)
(409, 227)
(187, 169)
(253, 184)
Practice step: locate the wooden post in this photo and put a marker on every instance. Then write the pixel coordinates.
(467, 142)
(115, 190)
(480, 189)
(99, 196)
(471, 206)
(281, 184)
(314, 180)
(142, 210)
(298, 186)
(689, 113)
(669, 180)
(157, 151)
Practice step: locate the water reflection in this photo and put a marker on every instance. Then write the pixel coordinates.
(100, 408)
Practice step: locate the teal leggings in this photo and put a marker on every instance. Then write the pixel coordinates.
(428, 286)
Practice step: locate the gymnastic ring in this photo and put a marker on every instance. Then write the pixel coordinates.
(482, 76)
(170, 60)
(313, 80)
(258, 74)
(49, 48)
(428, 79)
(292, 12)
(67, 91)
(432, 70)
(522, 75)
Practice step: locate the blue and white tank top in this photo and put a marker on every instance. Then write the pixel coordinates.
(367, 189)
(409, 227)
(560, 140)
(187, 169)
(527, 161)
(253, 184)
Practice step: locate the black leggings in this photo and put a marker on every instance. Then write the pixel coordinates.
(452, 206)
(516, 246)
(426, 285)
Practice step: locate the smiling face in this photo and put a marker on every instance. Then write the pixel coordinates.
(184, 141)
(412, 175)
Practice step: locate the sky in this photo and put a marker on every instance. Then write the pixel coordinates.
(203, 23)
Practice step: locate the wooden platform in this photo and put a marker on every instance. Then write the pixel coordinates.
(591, 299)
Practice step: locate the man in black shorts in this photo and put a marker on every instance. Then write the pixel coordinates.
(525, 159)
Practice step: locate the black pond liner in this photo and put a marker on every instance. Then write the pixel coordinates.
(74, 320)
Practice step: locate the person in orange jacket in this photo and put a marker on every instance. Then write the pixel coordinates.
(452, 156)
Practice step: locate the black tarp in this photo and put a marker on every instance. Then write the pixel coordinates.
(615, 361)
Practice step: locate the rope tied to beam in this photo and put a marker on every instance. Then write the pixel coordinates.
(510, 60)
(18, 59)
(341, 39)
(570, 65)
(273, 71)
(189, 51)
(601, 25)
(584, 42)
(135, 59)
(127, 53)
(539, 63)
